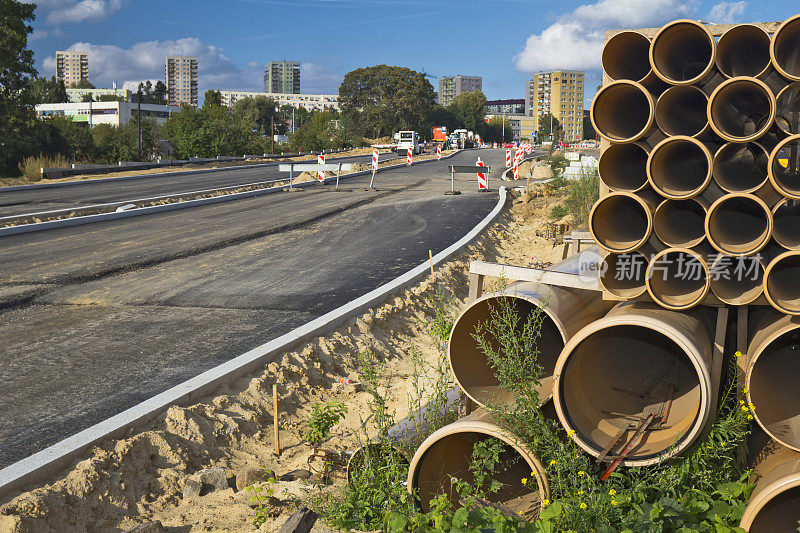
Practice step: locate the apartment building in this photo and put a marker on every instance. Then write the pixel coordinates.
(452, 86)
(559, 92)
(510, 107)
(181, 79)
(72, 67)
(311, 102)
(77, 95)
(282, 77)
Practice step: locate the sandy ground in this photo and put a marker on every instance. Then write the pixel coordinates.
(141, 477)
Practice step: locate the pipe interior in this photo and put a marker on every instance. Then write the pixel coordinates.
(606, 384)
(781, 513)
(738, 225)
(741, 109)
(679, 168)
(624, 275)
(623, 167)
(783, 283)
(680, 223)
(741, 167)
(787, 109)
(451, 456)
(472, 369)
(681, 110)
(737, 280)
(625, 56)
(678, 279)
(621, 111)
(786, 168)
(743, 51)
(619, 222)
(787, 48)
(774, 390)
(682, 52)
(786, 224)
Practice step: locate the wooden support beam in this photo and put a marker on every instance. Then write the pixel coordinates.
(550, 277)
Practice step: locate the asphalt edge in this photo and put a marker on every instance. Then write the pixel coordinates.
(43, 465)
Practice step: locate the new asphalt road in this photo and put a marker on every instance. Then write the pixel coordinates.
(96, 318)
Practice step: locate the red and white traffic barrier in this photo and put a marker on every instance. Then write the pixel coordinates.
(508, 157)
(438, 152)
(483, 183)
(375, 159)
(409, 159)
(321, 161)
(528, 148)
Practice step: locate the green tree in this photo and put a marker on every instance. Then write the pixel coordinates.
(259, 111)
(151, 94)
(212, 98)
(84, 84)
(160, 93)
(545, 122)
(498, 130)
(87, 98)
(44, 91)
(468, 110)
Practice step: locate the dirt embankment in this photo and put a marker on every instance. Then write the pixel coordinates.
(142, 477)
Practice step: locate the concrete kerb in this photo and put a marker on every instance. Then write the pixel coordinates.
(43, 465)
(90, 219)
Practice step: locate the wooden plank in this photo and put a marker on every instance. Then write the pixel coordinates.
(475, 286)
(741, 343)
(718, 355)
(548, 277)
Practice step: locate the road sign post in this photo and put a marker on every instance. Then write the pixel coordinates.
(374, 167)
(459, 169)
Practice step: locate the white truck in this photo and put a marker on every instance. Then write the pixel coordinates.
(408, 139)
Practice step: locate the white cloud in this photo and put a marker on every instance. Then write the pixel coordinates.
(575, 40)
(68, 11)
(727, 12)
(320, 78)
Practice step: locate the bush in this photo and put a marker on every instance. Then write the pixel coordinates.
(558, 212)
(582, 193)
(31, 167)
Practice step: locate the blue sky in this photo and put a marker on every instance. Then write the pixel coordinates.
(502, 40)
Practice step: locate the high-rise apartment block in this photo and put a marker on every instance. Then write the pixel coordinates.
(282, 77)
(559, 92)
(452, 86)
(181, 79)
(72, 67)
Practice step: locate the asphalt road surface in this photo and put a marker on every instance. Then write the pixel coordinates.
(90, 192)
(96, 318)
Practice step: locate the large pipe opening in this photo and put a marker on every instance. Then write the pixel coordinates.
(782, 283)
(623, 167)
(775, 501)
(787, 109)
(678, 278)
(682, 52)
(784, 167)
(743, 51)
(620, 222)
(626, 368)
(741, 167)
(624, 275)
(785, 48)
(679, 167)
(786, 224)
(622, 111)
(681, 110)
(780, 513)
(680, 223)
(625, 56)
(737, 280)
(739, 224)
(741, 109)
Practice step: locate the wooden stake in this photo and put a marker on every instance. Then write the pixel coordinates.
(430, 254)
(275, 418)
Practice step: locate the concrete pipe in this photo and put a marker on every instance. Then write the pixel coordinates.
(786, 223)
(784, 49)
(679, 167)
(623, 111)
(773, 362)
(682, 53)
(739, 224)
(681, 223)
(782, 282)
(639, 360)
(775, 501)
(741, 167)
(564, 310)
(741, 109)
(678, 278)
(623, 166)
(623, 275)
(622, 221)
(681, 110)
(625, 56)
(743, 50)
(448, 453)
(787, 109)
(737, 280)
(784, 167)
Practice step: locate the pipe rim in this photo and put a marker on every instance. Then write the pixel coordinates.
(622, 35)
(764, 239)
(693, 192)
(660, 105)
(658, 326)
(725, 185)
(656, 226)
(773, 302)
(741, 300)
(775, 234)
(623, 293)
(732, 31)
(771, 165)
(615, 147)
(758, 133)
(766, 495)
(667, 27)
(773, 43)
(793, 86)
(636, 198)
(643, 131)
(659, 299)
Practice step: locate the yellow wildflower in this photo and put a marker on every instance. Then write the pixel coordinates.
(738, 353)
(751, 406)
(571, 432)
(580, 473)
(745, 390)
(583, 506)
(545, 503)
(552, 462)
(613, 502)
(612, 492)
(533, 474)
(749, 417)
(741, 402)
(524, 481)
(580, 492)
(744, 408)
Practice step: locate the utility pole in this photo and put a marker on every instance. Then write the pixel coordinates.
(139, 121)
(504, 126)
(273, 134)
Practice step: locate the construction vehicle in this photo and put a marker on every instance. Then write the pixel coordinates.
(408, 139)
(439, 134)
